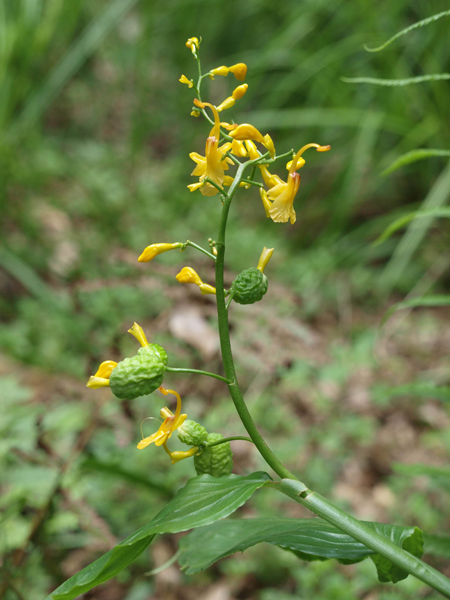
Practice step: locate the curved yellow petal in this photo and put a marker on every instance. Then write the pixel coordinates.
(97, 382)
(105, 369)
(139, 334)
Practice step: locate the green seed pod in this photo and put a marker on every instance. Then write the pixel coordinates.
(249, 286)
(192, 433)
(139, 375)
(216, 461)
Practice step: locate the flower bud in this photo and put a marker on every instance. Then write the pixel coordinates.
(220, 71)
(240, 91)
(188, 82)
(239, 71)
(193, 44)
(227, 103)
(154, 249)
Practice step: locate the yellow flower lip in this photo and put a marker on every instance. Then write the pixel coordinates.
(139, 334)
(170, 424)
(97, 382)
(188, 82)
(239, 70)
(154, 249)
(189, 275)
(266, 255)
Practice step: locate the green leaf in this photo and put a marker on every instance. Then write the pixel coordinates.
(310, 539)
(416, 25)
(413, 156)
(402, 221)
(397, 82)
(423, 301)
(202, 501)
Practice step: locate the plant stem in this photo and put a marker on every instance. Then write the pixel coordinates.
(228, 439)
(225, 343)
(197, 372)
(189, 243)
(290, 484)
(364, 534)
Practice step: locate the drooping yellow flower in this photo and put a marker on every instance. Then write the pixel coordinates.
(101, 378)
(213, 165)
(154, 249)
(237, 94)
(188, 275)
(170, 424)
(282, 193)
(178, 455)
(239, 71)
(248, 132)
(188, 82)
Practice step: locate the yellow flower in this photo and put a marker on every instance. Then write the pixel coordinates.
(188, 275)
(170, 424)
(266, 255)
(101, 378)
(239, 71)
(154, 249)
(282, 193)
(248, 132)
(180, 454)
(213, 165)
(237, 94)
(188, 82)
(193, 44)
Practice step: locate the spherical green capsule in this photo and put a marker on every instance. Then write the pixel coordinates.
(216, 461)
(192, 433)
(139, 375)
(249, 286)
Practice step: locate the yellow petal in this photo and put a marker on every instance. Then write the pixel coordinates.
(282, 210)
(227, 103)
(238, 148)
(247, 132)
(194, 186)
(223, 71)
(266, 202)
(181, 455)
(139, 334)
(240, 91)
(266, 255)
(207, 289)
(105, 369)
(239, 71)
(154, 249)
(188, 275)
(97, 382)
(188, 82)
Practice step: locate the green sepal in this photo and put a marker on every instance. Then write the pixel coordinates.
(249, 286)
(217, 460)
(139, 375)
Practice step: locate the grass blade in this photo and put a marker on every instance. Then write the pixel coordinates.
(427, 21)
(402, 221)
(71, 62)
(397, 82)
(413, 156)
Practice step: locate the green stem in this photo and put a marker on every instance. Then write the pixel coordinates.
(364, 534)
(225, 343)
(290, 484)
(209, 180)
(189, 243)
(228, 439)
(251, 182)
(197, 372)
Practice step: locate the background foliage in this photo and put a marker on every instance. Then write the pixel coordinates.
(95, 135)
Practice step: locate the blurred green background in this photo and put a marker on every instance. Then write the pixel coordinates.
(95, 134)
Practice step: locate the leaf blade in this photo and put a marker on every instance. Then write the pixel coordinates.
(200, 502)
(312, 539)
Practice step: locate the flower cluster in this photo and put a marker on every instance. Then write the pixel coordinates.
(228, 147)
